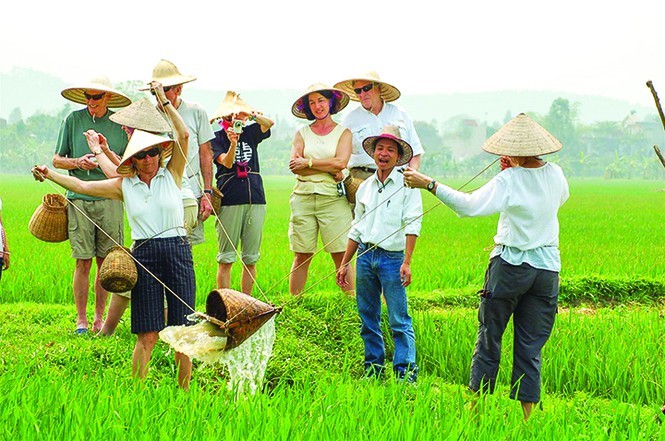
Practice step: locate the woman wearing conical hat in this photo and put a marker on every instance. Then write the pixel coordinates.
(140, 115)
(151, 193)
(243, 206)
(319, 153)
(522, 279)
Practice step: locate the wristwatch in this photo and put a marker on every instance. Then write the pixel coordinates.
(207, 191)
(97, 152)
(431, 185)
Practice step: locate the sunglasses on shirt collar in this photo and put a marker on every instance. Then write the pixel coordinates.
(152, 153)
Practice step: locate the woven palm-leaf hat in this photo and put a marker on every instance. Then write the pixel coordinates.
(341, 101)
(392, 133)
(141, 140)
(76, 93)
(231, 104)
(168, 75)
(522, 136)
(388, 91)
(142, 115)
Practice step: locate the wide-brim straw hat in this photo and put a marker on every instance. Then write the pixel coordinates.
(142, 115)
(167, 74)
(388, 91)
(298, 107)
(390, 132)
(141, 140)
(76, 93)
(522, 136)
(231, 104)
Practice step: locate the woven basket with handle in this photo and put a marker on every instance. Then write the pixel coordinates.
(49, 221)
(118, 272)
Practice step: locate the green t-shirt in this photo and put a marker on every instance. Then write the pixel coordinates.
(72, 143)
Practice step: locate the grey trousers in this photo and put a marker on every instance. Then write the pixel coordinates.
(530, 296)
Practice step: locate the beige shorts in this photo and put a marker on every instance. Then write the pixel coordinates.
(86, 239)
(331, 215)
(193, 224)
(240, 224)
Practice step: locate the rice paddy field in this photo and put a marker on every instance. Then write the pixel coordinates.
(603, 369)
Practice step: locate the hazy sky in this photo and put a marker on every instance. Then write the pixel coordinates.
(607, 48)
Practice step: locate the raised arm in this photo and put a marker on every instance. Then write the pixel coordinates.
(179, 159)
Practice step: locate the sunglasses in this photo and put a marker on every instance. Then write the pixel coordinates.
(152, 153)
(365, 88)
(99, 96)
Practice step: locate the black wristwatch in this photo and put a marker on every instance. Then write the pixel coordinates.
(207, 191)
(431, 185)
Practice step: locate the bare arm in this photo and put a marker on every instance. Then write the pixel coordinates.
(301, 166)
(179, 159)
(205, 161)
(351, 248)
(108, 188)
(99, 147)
(82, 163)
(265, 122)
(405, 269)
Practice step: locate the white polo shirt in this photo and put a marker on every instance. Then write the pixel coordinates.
(154, 211)
(364, 123)
(398, 207)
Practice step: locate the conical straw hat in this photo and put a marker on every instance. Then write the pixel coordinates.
(168, 75)
(241, 315)
(76, 93)
(231, 104)
(390, 132)
(141, 140)
(388, 92)
(298, 107)
(522, 136)
(142, 115)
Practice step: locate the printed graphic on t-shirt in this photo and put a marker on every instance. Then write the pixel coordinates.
(243, 152)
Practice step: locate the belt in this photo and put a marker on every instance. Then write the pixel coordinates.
(365, 169)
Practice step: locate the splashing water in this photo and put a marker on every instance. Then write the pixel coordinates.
(205, 341)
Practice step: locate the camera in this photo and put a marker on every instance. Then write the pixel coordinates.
(237, 125)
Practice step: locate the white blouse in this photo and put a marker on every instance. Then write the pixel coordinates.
(528, 200)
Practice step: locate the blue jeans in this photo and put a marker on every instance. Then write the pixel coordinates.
(378, 271)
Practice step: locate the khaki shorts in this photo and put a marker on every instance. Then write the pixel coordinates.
(193, 223)
(88, 241)
(242, 224)
(313, 213)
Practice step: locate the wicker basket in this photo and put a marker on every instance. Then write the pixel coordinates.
(49, 221)
(216, 200)
(118, 272)
(238, 313)
(351, 185)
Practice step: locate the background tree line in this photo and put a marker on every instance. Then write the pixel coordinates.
(610, 149)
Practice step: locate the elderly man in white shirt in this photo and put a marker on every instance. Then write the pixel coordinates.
(384, 232)
(374, 113)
